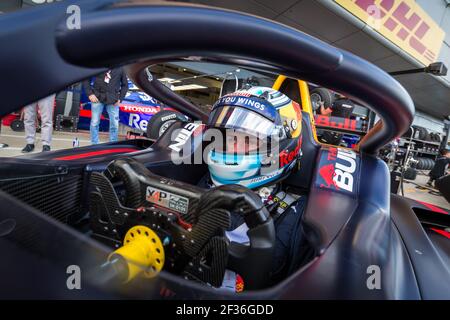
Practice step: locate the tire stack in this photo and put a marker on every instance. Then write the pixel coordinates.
(410, 174)
(435, 137)
(421, 133)
(321, 95)
(425, 164)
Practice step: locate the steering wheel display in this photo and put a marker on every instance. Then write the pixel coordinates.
(180, 228)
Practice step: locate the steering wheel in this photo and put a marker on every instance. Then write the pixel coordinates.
(193, 219)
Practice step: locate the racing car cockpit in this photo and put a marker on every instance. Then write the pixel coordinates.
(141, 223)
(196, 222)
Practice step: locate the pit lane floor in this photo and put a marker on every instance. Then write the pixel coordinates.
(60, 140)
(418, 190)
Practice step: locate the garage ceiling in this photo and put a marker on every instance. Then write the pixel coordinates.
(9, 5)
(311, 16)
(218, 70)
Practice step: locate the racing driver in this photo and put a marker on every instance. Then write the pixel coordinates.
(262, 145)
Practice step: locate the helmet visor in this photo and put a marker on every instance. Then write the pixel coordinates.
(243, 120)
(242, 143)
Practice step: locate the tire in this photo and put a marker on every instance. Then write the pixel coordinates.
(431, 164)
(162, 120)
(432, 137)
(17, 126)
(425, 164)
(424, 135)
(408, 133)
(420, 133)
(321, 94)
(421, 165)
(437, 136)
(428, 166)
(410, 174)
(443, 185)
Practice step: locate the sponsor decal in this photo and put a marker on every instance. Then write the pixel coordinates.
(238, 93)
(242, 101)
(284, 201)
(139, 96)
(136, 116)
(253, 104)
(140, 109)
(135, 121)
(239, 283)
(183, 136)
(265, 177)
(327, 173)
(287, 157)
(170, 116)
(337, 170)
(339, 123)
(167, 200)
(402, 22)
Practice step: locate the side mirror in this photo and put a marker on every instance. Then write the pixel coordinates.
(437, 69)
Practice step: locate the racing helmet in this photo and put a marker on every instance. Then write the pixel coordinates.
(261, 137)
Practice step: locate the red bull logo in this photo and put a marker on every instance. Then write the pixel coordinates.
(287, 157)
(340, 123)
(327, 173)
(339, 173)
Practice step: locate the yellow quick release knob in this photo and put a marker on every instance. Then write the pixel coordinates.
(142, 252)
